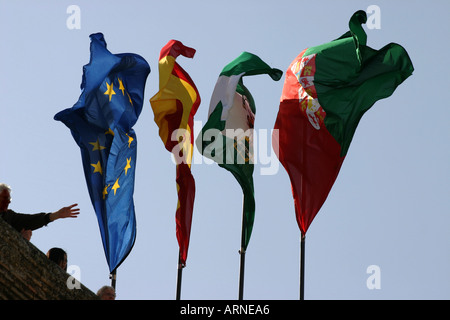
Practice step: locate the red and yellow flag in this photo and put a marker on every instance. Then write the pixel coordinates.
(174, 107)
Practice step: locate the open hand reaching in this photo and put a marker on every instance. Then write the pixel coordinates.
(66, 212)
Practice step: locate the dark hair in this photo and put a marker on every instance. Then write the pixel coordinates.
(56, 255)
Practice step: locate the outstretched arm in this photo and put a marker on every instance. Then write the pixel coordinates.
(65, 212)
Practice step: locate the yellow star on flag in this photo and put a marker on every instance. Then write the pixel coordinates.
(105, 191)
(128, 166)
(97, 167)
(109, 132)
(110, 92)
(121, 87)
(97, 145)
(129, 98)
(116, 186)
(130, 140)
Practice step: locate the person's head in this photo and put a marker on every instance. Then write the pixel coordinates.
(5, 196)
(106, 293)
(59, 256)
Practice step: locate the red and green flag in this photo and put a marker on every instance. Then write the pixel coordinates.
(174, 107)
(227, 136)
(327, 90)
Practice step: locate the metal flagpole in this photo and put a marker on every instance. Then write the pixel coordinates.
(241, 274)
(242, 253)
(113, 277)
(302, 267)
(180, 271)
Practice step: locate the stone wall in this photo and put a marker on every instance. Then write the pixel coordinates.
(27, 274)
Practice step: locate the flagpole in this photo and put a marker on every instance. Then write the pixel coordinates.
(113, 277)
(241, 274)
(180, 272)
(302, 267)
(242, 253)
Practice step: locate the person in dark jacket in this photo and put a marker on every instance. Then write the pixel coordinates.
(25, 223)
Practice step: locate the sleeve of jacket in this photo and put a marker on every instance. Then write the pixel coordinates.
(21, 221)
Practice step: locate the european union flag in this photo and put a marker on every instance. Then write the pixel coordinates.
(101, 123)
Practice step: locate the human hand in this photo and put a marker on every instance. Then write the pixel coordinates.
(65, 212)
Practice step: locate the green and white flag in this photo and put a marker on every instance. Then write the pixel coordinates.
(227, 137)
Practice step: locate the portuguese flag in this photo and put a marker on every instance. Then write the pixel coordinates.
(174, 107)
(327, 90)
(227, 136)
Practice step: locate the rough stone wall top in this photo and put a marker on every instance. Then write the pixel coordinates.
(27, 274)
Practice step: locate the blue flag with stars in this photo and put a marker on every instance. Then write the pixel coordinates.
(101, 123)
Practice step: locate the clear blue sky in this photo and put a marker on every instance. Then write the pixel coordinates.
(389, 207)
